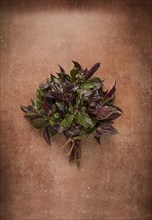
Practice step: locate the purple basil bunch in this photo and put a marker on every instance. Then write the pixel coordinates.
(74, 104)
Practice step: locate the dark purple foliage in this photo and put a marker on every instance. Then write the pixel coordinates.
(105, 128)
(61, 69)
(111, 92)
(74, 104)
(46, 135)
(89, 73)
(77, 65)
(43, 86)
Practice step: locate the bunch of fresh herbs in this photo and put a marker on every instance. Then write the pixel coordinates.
(74, 104)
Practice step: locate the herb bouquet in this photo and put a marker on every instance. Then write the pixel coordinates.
(74, 104)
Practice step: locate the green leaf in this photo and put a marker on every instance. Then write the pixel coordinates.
(58, 104)
(73, 74)
(32, 114)
(67, 121)
(87, 85)
(38, 95)
(56, 115)
(35, 104)
(97, 82)
(39, 123)
(80, 120)
(52, 132)
(88, 119)
(79, 98)
(70, 108)
(90, 130)
(82, 132)
(57, 80)
(53, 121)
(84, 120)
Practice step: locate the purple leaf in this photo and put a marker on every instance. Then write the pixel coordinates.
(119, 109)
(106, 112)
(97, 137)
(43, 86)
(77, 151)
(71, 88)
(89, 73)
(85, 71)
(50, 95)
(73, 131)
(63, 107)
(105, 128)
(46, 136)
(57, 128)
(77, 65)
(32, 116)
(52, 77)
(46, 108)
(61, 69)
(94, 96)
(111, 92)
(26, 109)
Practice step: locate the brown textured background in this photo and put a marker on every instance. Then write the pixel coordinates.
(115, 179)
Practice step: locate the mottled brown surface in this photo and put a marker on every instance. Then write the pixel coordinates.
(114, 181)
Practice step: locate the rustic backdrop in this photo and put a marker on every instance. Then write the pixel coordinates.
(114, 180)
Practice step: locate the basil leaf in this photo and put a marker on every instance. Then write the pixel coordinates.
(46, 135)
(84, 120)
(73, 74)
(39, 123)
(53, 121)
(105, 128)
(58, 104)
(88, 119)
(35, 104)
(67, 121)
(38, 95)
(77, 65)
(87, 85)
(90, 72)
(56, 115)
